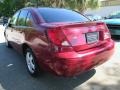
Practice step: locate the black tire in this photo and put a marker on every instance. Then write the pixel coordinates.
(116, 37)
(7, 43)
(33, 71)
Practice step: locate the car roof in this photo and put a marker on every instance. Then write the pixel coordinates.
(44, 8)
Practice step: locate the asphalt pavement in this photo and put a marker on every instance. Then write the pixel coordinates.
(14, 76)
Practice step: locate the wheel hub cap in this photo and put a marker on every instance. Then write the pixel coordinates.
(30, 62)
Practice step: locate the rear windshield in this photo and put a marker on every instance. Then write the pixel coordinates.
(61, 15)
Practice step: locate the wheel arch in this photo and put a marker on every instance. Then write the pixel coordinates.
(24, 47)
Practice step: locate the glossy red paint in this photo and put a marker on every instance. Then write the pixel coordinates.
(62, 47)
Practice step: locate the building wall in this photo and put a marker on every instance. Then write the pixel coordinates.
(110, 3)
(103, 11)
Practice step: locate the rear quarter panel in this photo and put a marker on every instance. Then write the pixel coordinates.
(36, 39)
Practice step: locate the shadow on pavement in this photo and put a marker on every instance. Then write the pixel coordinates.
(14, 76)
(116, 38)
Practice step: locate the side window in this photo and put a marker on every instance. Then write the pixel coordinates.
(22, 18)
(29, 20)
(14, 18)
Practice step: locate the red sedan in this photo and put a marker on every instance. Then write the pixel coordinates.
(61, 41)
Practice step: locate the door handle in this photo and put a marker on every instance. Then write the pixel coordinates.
(21, 31)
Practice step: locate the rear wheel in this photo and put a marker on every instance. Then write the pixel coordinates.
(7, 43)
(115, 37)
(32, 66)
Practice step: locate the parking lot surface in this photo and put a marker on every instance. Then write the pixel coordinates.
(14, 76)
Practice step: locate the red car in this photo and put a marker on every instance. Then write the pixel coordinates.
(61, 41)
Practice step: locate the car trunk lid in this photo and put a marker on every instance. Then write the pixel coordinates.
(82, 36)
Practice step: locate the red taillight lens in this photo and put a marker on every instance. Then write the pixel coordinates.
(103, 26)
(58, 41)
(57, 37)
(107, 34)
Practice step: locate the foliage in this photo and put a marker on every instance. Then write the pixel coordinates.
(8, 7)
(82, 5)
(79, 5)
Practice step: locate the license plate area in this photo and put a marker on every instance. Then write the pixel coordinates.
(92, 37)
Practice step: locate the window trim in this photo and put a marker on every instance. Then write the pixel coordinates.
(16, 18)
(33, 21)
(25, 17)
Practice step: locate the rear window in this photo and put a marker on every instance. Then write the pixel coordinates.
(61, 15)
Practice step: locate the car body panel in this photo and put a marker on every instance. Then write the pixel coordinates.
(113, 23)
(94, 17)
(76, 58)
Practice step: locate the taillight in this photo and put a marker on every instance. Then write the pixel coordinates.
(58, 41)
(103, 26)
(57, 37)
(107, 34)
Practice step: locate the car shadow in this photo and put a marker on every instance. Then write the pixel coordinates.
(116, 38)
(14, 76)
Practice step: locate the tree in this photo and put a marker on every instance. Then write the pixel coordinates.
(5, 7)
(82, 5)
(79, 5)
(9, 7)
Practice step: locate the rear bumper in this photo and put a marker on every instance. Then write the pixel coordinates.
(73, 63)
